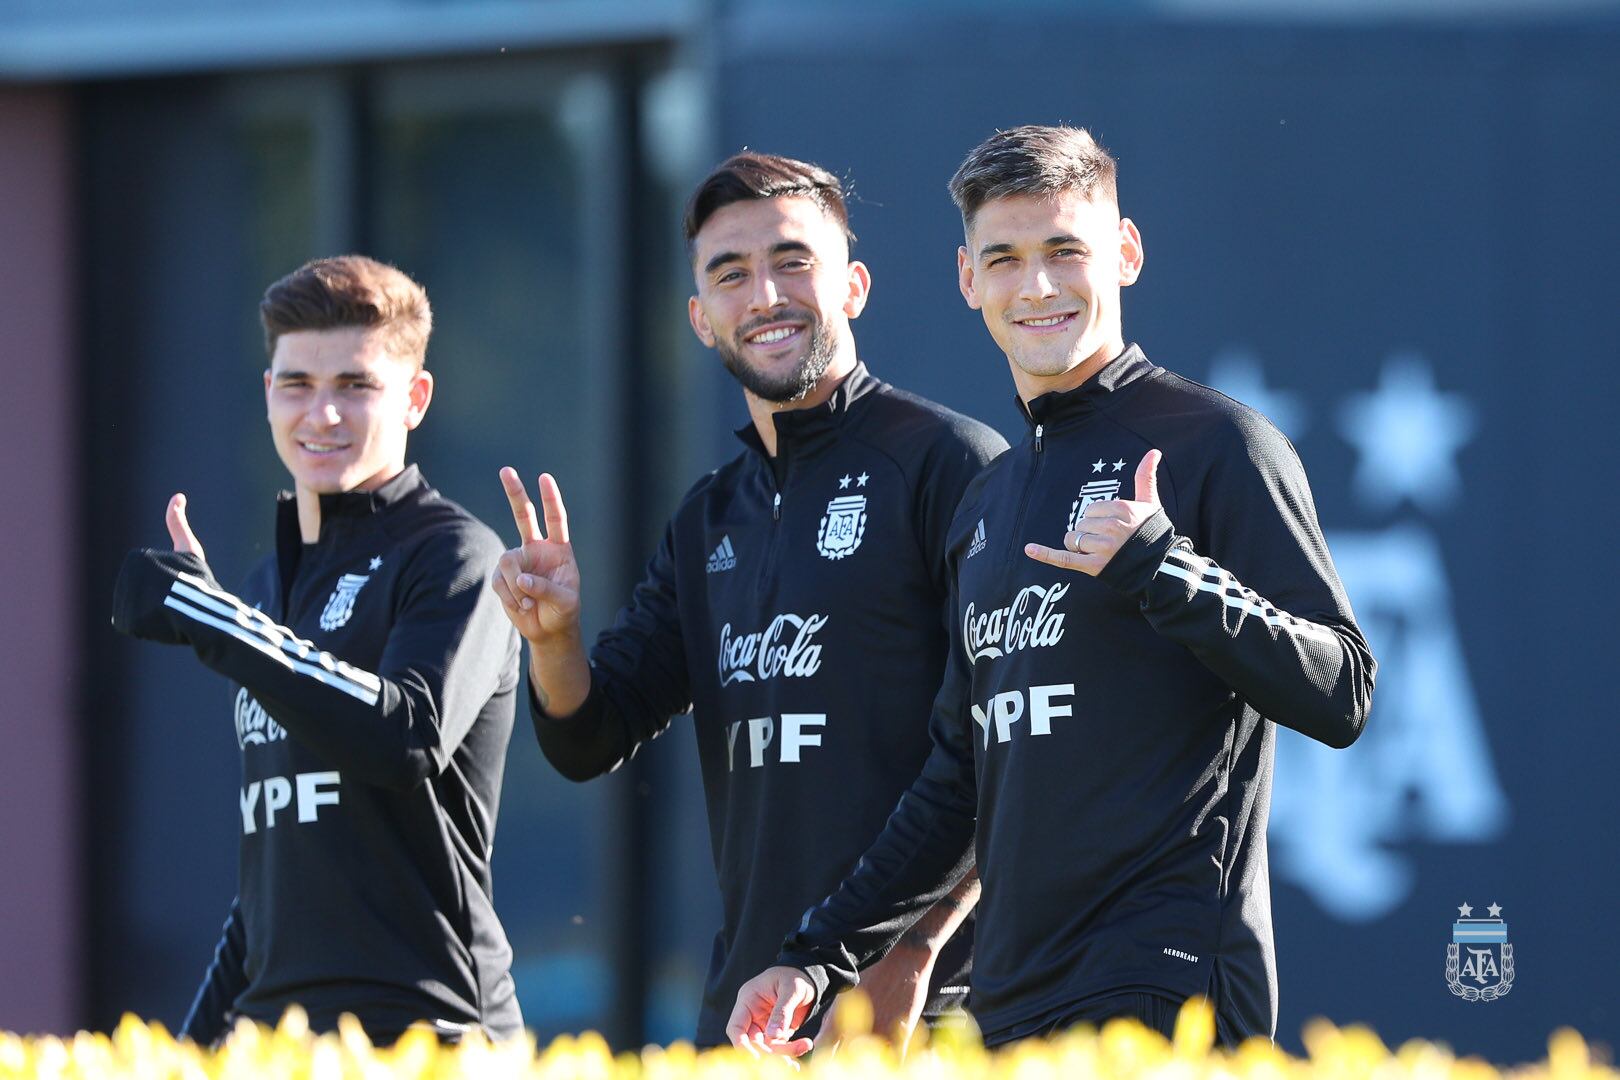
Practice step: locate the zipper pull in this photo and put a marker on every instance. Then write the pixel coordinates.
(1038, 429)
(776, 507)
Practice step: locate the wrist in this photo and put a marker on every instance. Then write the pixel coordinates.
(561, 684)
(1133, 566)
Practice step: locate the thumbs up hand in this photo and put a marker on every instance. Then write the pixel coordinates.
(1105, 526)
(180, 534)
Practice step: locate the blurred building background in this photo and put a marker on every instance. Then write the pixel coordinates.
(1390, 224)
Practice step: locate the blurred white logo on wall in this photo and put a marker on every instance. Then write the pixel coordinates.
(1343, 822)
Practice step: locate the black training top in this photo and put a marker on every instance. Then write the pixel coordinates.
(1114, 735)
(370, 783)
(797, 607)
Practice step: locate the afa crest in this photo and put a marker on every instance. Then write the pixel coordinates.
(842, 527)
(1095, 491)
(340, 605)
(1479, 960)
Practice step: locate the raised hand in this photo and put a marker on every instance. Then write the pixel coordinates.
(538, 581)
(770, 1008)
(1105, 526)
(180, 534)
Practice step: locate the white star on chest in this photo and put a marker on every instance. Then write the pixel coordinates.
(1118, 465)
(843, 482)
(860, 481)
(1465, 910)
(1495, 910)
(1097, 466)
(376, 562)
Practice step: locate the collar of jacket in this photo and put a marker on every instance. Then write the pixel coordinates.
(1054, 409)
(338, 506)
(803, 431)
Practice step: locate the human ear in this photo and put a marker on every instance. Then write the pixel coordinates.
(1131, 254)
(700, 322)
(964, 278)
(420, 391)
(860, 287)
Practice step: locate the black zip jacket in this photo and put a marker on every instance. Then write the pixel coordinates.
(797, 607)
(369, 783)
(1113, 736)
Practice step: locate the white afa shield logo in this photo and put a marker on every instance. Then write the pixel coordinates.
(842, 527)
(1479, 960)
(1095, 491)
(340, 605)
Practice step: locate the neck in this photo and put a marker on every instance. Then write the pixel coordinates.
(309, 515)
(763, 412)
(1031, 386)
(309, 501)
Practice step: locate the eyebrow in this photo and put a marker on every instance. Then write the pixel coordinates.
(776, 249)
(351, 376)
(1051, 241)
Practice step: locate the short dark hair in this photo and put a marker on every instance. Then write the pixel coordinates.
(752, 175)
(1033, 160)
(350, 291)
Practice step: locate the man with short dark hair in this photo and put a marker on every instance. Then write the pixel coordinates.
(1118, 665)
(796, 604)
(374, 681)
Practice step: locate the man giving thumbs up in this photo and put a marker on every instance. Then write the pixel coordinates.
(1118, 665)
(372, 679)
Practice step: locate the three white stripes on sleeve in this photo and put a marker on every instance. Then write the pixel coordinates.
(195, 599)
(1210, 578)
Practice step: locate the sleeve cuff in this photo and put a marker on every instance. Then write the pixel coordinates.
(144, 582)
(1131, 570)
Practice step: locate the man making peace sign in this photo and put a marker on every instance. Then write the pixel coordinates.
(1118, 664)
(797, 603)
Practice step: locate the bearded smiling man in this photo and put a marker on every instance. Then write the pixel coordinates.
(1121, 657)
(796, 605)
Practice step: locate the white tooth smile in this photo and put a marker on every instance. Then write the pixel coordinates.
(320, 448)
(1050, 321)
(771, 337)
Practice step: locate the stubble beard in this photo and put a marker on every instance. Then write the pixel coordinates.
(796, 384)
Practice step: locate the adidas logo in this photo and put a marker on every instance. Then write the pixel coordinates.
(978, 540)
(724, 558)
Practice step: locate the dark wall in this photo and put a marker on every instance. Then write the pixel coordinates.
(1399, 243)
(40, 889)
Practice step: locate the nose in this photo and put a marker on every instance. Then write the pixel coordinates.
(326, 413)
(765, 295)
(1037, 284)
